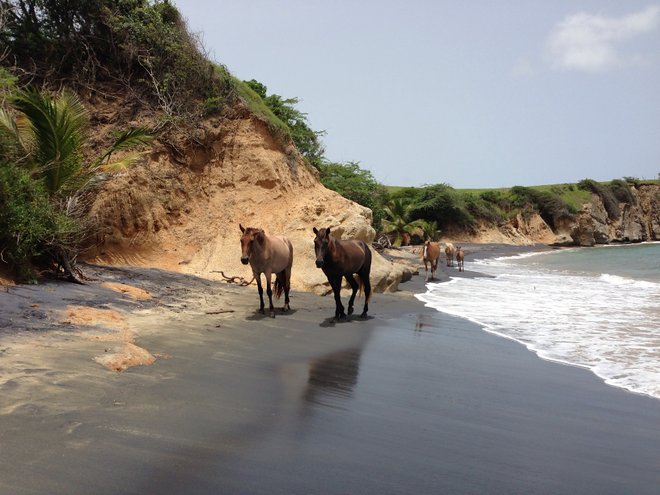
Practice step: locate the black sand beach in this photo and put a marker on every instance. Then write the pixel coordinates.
(410, 400)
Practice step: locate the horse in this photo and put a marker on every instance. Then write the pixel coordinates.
(431, 253)
(449, 252)
(268, 254)
(339, 259)
(460, 258)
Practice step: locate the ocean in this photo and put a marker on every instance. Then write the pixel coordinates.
(597, 308)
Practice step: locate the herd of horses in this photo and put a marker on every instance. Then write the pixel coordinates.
(273, 254)
(431, 255)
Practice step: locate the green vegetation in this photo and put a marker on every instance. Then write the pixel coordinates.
(356, 184)
(142, 46)
(306, 140)
(44, 174)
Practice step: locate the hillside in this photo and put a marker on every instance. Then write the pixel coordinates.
(183, 214)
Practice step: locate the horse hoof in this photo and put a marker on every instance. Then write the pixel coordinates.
(363, 315)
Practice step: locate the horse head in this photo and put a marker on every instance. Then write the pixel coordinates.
(249, 237)
(321, 245)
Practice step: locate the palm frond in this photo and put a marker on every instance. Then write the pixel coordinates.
(126, 140)
(123, 164)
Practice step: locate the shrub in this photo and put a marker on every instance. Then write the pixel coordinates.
(621, 191)
(30, 227)
(443, 204)
(605, 194)
(550, 205)
(356, 184)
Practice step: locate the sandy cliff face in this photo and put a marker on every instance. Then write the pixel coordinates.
(185, 216)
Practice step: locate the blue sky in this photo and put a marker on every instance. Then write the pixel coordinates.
(469, 93)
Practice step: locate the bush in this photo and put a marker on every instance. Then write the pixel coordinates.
(356, 184)
(605, 194)
(444, 205)
(621, 191)
(145, 44)
(550, 205)
(30, 226)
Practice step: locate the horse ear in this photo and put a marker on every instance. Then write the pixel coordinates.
(327, 231)
(242, 228)
(315, 230)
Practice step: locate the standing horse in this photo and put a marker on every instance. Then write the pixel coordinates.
(431, 253)
(449, 252)
(268, 254)
(340, 259)
(460, 259)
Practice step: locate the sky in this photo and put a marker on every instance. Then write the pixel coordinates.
(473, 93)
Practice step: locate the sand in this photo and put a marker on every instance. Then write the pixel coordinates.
(408, 401)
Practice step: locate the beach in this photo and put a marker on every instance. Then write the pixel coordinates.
(145, 381)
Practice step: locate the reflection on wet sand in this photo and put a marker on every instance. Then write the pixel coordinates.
(332, 378)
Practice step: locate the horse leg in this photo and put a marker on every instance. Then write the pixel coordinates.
(261, 292)
(426, 271)
(434, 267)
(285, 279)
(269, 291)
(354, 286)
(335, 283)
(364, 278)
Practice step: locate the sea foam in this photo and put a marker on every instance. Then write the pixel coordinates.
(607, 323)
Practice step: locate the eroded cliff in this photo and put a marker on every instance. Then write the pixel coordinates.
(182, 213)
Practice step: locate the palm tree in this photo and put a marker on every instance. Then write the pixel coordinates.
(397, 220)
(50, 134)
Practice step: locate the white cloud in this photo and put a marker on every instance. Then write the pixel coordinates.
(591, 43)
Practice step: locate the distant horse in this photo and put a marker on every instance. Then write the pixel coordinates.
(460, 258)
(449, 252)
(268, 254)
(431, 254)
(340, 259)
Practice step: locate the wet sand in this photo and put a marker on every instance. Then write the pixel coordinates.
(408, 401)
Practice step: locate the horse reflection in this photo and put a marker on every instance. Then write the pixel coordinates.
(332, 378)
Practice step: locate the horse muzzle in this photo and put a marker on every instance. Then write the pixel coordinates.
(319, 263)
(245, 259)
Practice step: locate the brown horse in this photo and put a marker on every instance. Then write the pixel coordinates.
(460, 258)
(431, 254)
(340, 259)
(449, 252)
(268, 254)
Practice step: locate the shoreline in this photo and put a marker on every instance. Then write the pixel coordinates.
(242, 403)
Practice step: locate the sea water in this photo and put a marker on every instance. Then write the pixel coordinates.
(598, 308)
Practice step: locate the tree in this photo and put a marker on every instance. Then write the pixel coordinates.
(397, 221)
(49, 138)
(356, 184)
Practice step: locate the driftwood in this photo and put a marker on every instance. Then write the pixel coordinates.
(234, 280)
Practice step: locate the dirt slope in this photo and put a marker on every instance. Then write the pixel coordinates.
(185, 216)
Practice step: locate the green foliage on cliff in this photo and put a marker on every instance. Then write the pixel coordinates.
(297, 125)
(356, 184)
(140, 45)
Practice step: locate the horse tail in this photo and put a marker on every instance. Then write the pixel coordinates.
(279, 286)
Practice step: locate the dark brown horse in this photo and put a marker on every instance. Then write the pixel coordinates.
(460, 258)
(431, 254)
(268, 254)
(340, 259)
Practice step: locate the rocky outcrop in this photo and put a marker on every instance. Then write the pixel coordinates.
(185, 216)
(638, 221)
